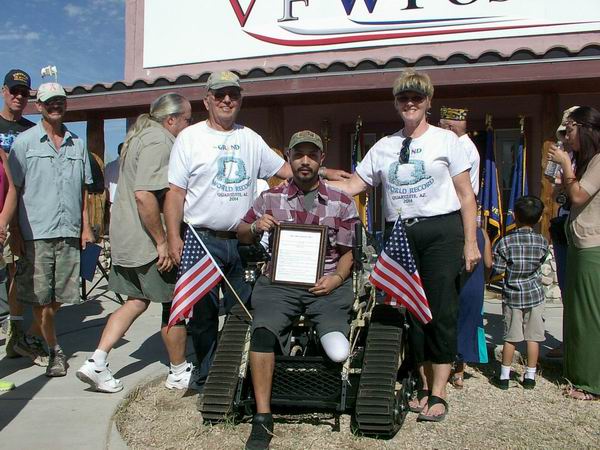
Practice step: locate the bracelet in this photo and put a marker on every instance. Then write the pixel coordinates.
(322, 171)
(253, 228)
(341, 278)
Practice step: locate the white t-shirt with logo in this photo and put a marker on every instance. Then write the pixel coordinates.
(422, 187)
(219, 170)
(473, 156)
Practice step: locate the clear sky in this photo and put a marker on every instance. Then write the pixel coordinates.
(84, 39)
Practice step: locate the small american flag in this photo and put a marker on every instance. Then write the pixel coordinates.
(396, 274)
(197, 275)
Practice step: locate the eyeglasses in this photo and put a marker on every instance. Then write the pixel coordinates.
(189, 120)
(405, 151)
(16, 91)
(233, 94)
(411, 98)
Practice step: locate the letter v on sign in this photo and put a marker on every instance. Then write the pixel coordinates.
(349, 5)
(239, 12)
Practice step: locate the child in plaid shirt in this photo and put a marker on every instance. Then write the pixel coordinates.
(519, 255)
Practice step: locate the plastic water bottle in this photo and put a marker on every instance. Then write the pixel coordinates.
(552, 168)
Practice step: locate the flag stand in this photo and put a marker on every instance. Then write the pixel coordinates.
(220, 271)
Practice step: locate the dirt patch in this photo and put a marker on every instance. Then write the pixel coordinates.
(481, 416)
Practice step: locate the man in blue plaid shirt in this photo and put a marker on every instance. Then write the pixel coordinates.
(520, 255)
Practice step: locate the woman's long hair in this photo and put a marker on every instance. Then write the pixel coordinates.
(588, 120)
(170, 104)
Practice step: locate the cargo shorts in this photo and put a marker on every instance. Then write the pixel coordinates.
(50, 271)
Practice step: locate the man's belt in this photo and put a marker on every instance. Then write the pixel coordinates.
(413, 220)
(217, 234)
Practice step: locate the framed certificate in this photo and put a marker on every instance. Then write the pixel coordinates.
(298, 254)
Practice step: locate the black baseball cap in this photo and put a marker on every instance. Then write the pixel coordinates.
(17, 77)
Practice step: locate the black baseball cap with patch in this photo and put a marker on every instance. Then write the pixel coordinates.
(17, 77)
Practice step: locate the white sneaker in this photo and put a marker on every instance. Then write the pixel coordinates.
(180, 381)
(100, 380)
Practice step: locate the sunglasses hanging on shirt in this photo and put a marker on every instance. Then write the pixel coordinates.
(405, 151)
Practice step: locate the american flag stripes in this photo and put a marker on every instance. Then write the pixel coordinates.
(396, 274)
(197, 275)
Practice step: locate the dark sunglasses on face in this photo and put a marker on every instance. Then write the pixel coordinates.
(411, 98)
(405, 151)
(220, 95)
(54, 102)
(19, 91)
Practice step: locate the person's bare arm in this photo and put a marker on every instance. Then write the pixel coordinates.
(285, 173)
(468, 211)
(149, 211)
(351, 186)
(248, 233)
(87, 235)
(10, 201)
(576, 193)
(328, 283)
(173, 210)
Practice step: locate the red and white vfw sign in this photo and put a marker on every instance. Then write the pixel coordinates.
(195, 31)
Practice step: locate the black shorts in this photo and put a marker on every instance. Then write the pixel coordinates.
(276, 306)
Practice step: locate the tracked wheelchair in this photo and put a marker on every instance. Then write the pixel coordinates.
(374, 384)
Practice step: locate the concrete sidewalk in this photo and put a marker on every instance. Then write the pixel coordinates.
(62, 413)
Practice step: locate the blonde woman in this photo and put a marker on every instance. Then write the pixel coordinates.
(424, 173)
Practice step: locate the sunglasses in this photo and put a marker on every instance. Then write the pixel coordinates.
(19, 91)
(234, 95)
(410, 98)
(54, 102)
(405, 151)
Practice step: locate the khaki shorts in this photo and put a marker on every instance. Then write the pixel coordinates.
(144, 282)
(49, 271)
(525, 324)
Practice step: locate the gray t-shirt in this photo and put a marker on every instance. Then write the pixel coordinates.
(144, 168)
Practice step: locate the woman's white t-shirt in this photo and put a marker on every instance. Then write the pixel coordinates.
(422, 187)
(219, 170)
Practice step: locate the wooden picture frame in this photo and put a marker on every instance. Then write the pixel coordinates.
(298, 254)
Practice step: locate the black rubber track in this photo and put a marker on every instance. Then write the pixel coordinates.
(376, 411)
(221, 384)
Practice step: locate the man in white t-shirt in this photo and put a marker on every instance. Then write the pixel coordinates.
(213, 170)
(455, 120)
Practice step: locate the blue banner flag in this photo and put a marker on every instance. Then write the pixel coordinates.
(518, 185)
(490, 201)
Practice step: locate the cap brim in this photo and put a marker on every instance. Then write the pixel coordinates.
(13, 83)
(412, 89)
(218, 86)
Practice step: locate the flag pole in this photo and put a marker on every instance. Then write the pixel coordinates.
(219, 269)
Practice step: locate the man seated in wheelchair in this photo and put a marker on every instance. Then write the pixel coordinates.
(304, 200)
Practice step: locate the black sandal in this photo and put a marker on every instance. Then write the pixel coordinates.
(421, 394)
(432, 401)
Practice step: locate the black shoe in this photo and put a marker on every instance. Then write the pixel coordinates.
(500, 384)
(528, 383)
(262, 432)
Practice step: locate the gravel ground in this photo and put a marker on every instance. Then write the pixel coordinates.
(481, 416)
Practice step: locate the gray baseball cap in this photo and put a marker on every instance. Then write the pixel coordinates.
(219, 80)
(306, 136)
(47, 91)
